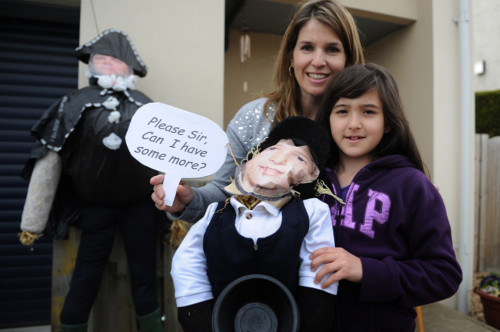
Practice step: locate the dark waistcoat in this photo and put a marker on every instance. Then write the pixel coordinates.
(230, 255)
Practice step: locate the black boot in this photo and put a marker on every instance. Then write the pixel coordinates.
(150, 322)
(74, 328)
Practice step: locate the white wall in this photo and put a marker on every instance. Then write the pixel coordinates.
(424, 59)
(181, 42)
(485, 23)
(257, 72)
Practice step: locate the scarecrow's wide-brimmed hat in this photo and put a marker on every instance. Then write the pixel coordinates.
(302, 131)
(115, 43)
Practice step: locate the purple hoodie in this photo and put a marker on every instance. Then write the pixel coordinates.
(395, 221)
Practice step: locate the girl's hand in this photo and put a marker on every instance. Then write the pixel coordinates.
(183, 196)
(337, 261)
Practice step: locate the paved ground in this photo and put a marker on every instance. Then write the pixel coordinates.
(441, 318)
(437, 318)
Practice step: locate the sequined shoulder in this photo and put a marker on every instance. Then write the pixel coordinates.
(252, 124)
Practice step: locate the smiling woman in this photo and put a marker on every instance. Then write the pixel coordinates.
(321, 39)
(316, 58)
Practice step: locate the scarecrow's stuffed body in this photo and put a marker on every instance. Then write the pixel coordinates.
(81, 171)
(252, 233)
(77, 127)
(276, 255)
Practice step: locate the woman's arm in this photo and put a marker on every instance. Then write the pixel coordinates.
(246, 129)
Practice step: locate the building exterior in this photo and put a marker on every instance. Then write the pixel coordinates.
(183, 44)
(485, 58)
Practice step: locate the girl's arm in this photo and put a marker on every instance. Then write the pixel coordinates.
(427, 272)
(431, 272)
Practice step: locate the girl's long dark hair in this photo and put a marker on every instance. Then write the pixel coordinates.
(354, 81)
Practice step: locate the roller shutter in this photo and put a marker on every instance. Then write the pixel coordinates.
(37, 67)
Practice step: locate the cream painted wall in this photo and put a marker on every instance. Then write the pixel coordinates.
(401, 11)
(257, 72)
(188, 67)
(485, 24)
(447, 119)
(424, 58)
(447, 116)
(185, 60)
(407, 53)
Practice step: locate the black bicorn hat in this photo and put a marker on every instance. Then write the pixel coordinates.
(115, 43)
(302, 131)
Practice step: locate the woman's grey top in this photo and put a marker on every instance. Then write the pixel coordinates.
(249, 126)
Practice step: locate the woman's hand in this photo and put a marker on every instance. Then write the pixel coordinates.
(183, 196)
(337, 261)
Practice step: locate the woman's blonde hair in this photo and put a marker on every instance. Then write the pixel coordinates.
(286, 95)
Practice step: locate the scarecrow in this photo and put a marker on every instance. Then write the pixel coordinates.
(81, 173)
(270, 225)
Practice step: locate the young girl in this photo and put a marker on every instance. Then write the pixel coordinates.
(394, 248)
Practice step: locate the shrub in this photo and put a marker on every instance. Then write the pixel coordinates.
(488, 113)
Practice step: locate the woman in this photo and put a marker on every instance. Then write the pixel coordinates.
(320, 41)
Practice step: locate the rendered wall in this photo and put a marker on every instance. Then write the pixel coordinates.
(257, 72)
(181, 42)
(424, 58)
(485, 24)
(183, 45)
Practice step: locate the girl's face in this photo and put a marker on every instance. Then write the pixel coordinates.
(277, 168)
(108, 65)
(358, 125)
(318, 55)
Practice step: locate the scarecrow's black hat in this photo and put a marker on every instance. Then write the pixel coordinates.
(302, 131)
(115, 43)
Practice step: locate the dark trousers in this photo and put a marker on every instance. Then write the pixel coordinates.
(138, 225)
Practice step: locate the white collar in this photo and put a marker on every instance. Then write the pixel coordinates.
(263, 205)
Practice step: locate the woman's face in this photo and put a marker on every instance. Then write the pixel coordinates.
(108, 65)
(277, 168)
(318, 55)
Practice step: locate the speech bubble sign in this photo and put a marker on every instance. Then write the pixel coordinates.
(179, 143)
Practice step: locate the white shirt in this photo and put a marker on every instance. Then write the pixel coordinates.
(189, 266)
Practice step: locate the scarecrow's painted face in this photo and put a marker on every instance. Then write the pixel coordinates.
(108, 65)
(279, 167)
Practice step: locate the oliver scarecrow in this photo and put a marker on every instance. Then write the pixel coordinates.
(81, 173)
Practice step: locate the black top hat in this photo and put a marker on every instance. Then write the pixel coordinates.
(115, 43)
(302, 131)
